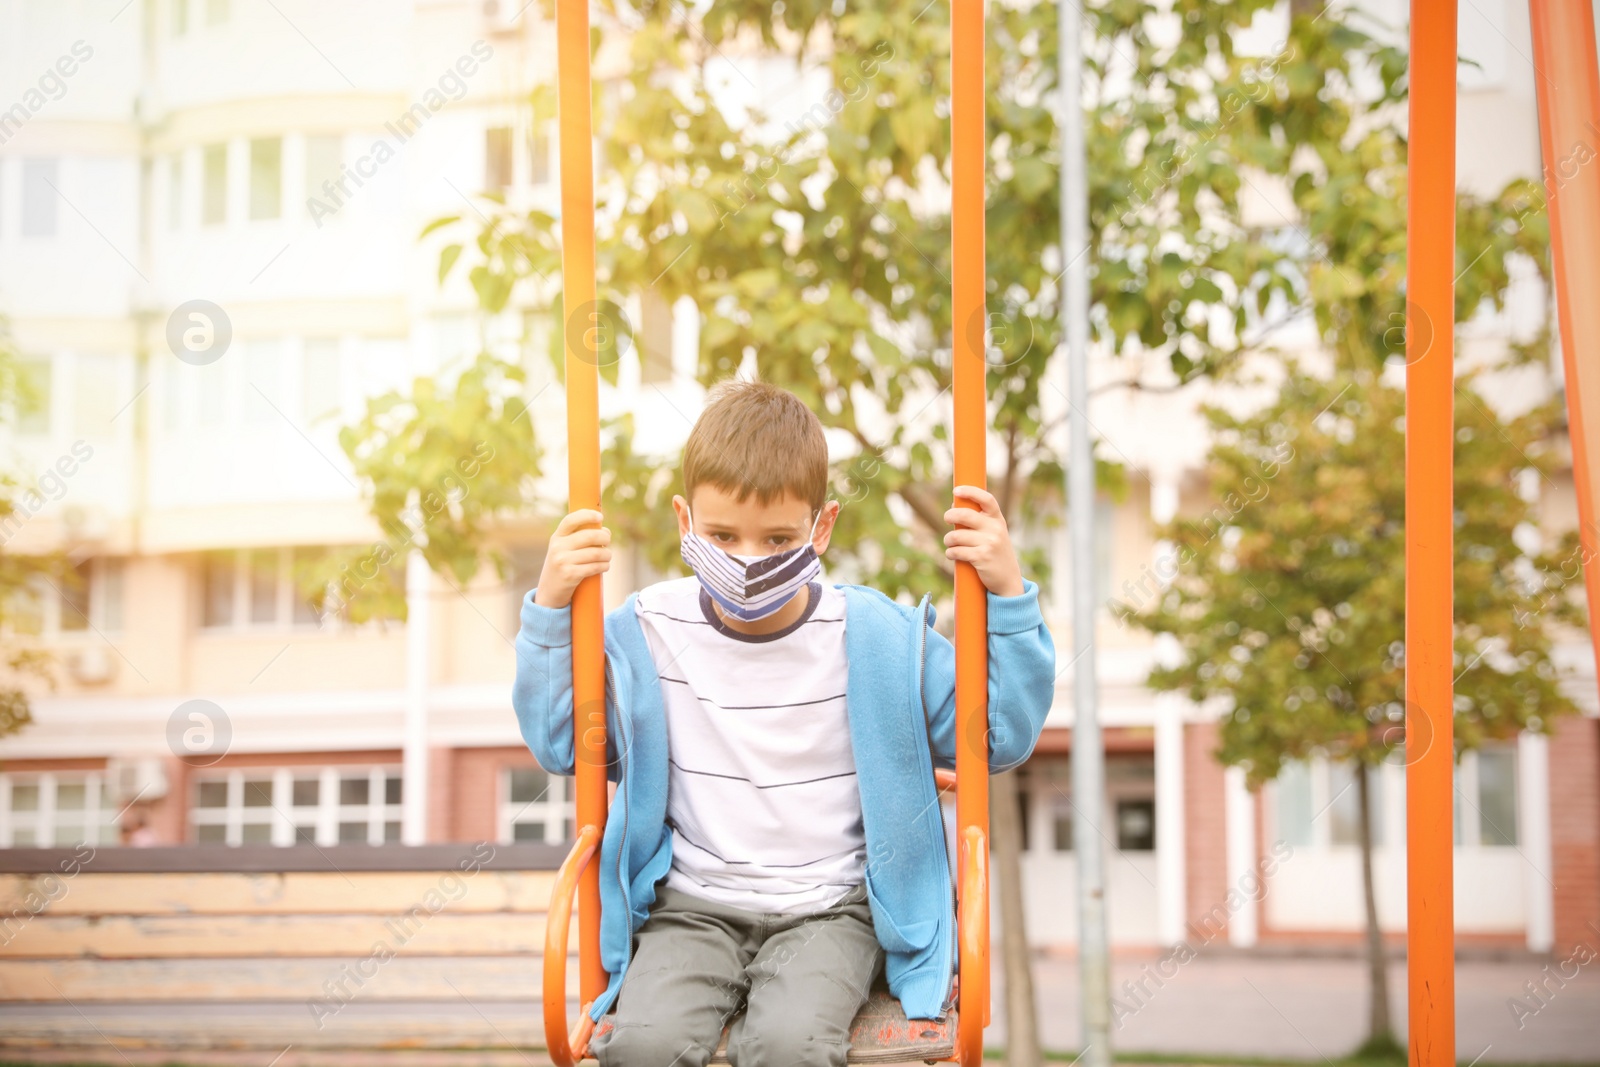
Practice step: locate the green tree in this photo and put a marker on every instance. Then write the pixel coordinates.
(441, 466)
(820, 250)
(1287, 600)
(25, 664)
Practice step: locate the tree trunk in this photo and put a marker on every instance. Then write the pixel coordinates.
(1379, 1031)
(1005, 821)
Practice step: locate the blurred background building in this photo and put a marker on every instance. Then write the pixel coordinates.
(280, 161)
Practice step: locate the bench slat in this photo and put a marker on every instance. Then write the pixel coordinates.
(311, 981)
(294, 893)
(217, 936)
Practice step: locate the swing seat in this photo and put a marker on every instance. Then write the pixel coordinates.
(881, 1033)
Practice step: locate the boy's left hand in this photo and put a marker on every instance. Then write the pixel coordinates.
(980, 538)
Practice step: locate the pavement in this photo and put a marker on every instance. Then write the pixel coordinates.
(1300, 1009)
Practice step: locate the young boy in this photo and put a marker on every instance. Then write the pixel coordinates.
(775, 836)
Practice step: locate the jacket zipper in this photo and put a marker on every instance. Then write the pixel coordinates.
(622, 843)
(922, 692)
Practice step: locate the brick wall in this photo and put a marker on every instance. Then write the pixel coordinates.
(1205, 843)
(476, 790)
(1575, 831)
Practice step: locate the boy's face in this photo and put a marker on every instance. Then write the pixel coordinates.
(751, 528)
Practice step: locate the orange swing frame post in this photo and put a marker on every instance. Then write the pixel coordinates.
(581, 328)
(1430, 536)
(1564, 51)
(969, 322)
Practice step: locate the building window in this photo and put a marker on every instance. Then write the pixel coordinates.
(1136, 825)
(214, 185)
(1317, 803)
(526, 562)
(175, 191)
(1486, 798)
(33, 396)
(320, 379)
(1344, 804)
(254, 588)
(497, 158)
(216, 589)
(534, 806)
(539, 145)
(297, 805)
(56, 809)
(1295, 809)
(324, 156)
(263, 385)
(266, 178)
(88, 597)
(40, 180)
(97, 390)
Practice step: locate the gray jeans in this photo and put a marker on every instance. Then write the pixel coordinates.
(799, 978)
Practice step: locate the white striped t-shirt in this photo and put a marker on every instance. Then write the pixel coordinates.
(762, 797)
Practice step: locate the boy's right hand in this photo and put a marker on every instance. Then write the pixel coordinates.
(579, 548)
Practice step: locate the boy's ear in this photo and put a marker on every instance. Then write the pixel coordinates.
(680, 507)
(830, 515)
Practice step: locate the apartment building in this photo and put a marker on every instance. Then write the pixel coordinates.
(185, 168)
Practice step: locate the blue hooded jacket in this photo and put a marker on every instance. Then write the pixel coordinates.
(896, 736)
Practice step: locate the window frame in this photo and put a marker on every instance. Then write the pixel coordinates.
(97, 804)
(557, 807)
(283, 818)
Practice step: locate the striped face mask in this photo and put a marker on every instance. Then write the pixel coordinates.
(751, 587)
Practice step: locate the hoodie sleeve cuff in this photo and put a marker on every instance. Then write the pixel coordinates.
(546, 627)
(1015, 614)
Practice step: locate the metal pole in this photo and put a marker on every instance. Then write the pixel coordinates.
(968, 141)
(583, 319)
(1430, 536)
(1088, 758)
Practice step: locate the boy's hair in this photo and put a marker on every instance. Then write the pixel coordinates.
(756, 438)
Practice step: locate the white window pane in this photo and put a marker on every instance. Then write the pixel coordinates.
(1294, 804)
(1497, 797)
(266, 178)
(216, 589)
(324, 154)
(40, 180)
(95, 395)
(321, 378)
(111, 580)
(214, 184)
(539, 142)
(497, 158)
(264, 586)
(263, 400)
(75, 586)
(175, 190)
(1344, 807)
(33, 396)
(213, 379)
